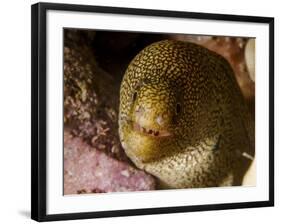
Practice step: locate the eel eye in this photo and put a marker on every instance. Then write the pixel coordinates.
(178, 108)
(135, 96)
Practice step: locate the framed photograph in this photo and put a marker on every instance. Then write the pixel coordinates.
(139, 111)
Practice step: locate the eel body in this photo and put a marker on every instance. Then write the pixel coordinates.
(182, 117)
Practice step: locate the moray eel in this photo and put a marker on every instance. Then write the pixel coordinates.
(182, 117)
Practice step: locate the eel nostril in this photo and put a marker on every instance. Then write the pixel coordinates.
(139, 110)
(150, 132)
(156, 133)
(160, 120)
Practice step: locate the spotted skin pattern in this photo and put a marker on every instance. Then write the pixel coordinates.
(182, 117)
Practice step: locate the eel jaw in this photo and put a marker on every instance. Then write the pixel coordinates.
(151, 132)
(142, 146)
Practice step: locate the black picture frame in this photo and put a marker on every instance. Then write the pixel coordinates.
(39, 122)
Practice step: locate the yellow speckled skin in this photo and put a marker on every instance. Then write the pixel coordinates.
(182, 117)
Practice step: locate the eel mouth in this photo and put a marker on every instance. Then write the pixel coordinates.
(151, 132)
